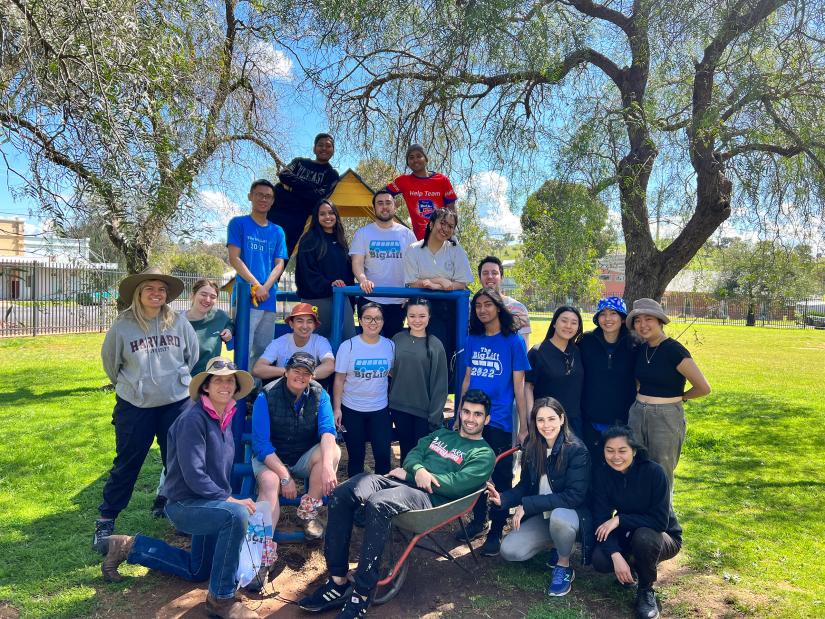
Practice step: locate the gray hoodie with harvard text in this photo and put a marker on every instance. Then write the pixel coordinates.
(150, 369)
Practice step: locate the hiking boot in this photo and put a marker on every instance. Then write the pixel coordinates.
(103, 529)
(119, 547)
(228, 608)
(646, 605)
(159, 507)
(329, 595)
(563, 576)
(491, 545)
(313, 529)
(474, 531)
(355, 606)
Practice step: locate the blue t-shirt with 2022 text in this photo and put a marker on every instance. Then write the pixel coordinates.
(492, 359)
(260, 246)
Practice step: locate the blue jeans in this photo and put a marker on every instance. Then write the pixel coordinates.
(218, 529)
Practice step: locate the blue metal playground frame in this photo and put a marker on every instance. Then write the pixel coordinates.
(240, 426)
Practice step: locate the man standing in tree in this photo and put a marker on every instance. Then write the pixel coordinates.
(302, 185)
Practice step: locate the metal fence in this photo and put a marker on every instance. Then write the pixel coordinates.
(701, 308)
(46, 298)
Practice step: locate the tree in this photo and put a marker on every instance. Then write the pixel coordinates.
(197, 262)
(119, 106)
(565, 232)
(662, 102)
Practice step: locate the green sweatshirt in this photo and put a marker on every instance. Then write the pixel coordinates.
(208, 330)
(460, 465)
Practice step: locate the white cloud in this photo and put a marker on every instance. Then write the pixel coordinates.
(489, 190)
(270, 61)
(215, 211)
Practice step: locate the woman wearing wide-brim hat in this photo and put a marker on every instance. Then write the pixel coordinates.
(199, 469)
(148, 354)
(657, 417)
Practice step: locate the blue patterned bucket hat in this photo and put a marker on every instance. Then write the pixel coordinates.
(617, 304)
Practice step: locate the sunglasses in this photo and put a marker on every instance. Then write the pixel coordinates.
(219, 365)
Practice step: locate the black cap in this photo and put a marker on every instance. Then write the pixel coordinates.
(302, 360)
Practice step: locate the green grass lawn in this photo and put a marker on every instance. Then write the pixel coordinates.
(748, 488)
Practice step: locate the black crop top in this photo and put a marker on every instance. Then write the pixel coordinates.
(656, 369)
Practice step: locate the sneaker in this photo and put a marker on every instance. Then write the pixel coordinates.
(119, 548)
(646, 605)
(553, 558)
(329, 595)
(491, 545)
(560, 582)
(100, 539)
(159, 507)
(355, 606)
(474, 531)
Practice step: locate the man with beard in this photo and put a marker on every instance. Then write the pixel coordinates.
(378, 259)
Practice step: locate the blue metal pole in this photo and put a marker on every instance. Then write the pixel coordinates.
(242, 292)
(338, 300)
(461, 327)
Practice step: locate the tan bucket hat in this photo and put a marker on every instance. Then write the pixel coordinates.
(218, 366)
(174, 286)
(646, 306)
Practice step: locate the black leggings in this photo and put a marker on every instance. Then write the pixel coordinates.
(643, 551)
(375, 427)
(409, 429)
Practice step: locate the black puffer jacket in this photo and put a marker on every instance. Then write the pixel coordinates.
(570, 487)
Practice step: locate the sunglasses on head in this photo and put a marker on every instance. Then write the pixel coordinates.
(219, 365)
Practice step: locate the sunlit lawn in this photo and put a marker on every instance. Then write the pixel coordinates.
(748, 488)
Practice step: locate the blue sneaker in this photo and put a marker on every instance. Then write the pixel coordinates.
(560, 582)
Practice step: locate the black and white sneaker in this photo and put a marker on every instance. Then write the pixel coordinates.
(646, 605)
(355, 607)
(103, 530)
(329, 595)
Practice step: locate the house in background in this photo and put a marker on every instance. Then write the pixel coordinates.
(45, 266)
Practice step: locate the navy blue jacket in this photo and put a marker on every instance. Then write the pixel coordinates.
(609, 381)
(570, 487)
(199, 457)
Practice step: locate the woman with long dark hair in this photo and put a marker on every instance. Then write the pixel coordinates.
(438, 262)
(550, 497)
(496, 362)
(418, 389)
(556, 367)
(323, 263)
(637, 528)
(608, 355)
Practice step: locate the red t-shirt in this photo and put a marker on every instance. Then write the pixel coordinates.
(423, 195)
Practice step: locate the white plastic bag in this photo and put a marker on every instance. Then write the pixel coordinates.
(258, 549)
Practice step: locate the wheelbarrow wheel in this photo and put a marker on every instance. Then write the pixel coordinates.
(395, 546)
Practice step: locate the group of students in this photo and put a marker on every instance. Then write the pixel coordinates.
(568, 401)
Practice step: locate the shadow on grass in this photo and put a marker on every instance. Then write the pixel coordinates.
(27, 396)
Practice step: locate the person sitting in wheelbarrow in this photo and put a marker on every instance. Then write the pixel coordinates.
(293, 435)
(442, 467)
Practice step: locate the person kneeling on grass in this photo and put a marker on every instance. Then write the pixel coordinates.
(199, 466)
(550, 499)
(644, 531)
(293, 434)
(442, 467)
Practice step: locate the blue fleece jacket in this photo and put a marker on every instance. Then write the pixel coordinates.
(199, 457)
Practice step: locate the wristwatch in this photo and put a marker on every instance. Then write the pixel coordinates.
(285, 480)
